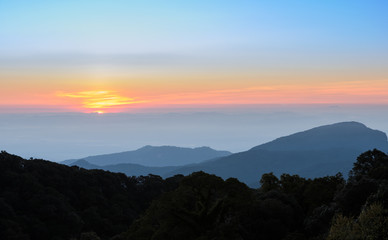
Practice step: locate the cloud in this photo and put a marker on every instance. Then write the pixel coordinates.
(101, 99)
(300, 93)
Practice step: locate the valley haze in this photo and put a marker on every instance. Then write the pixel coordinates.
(61, 136)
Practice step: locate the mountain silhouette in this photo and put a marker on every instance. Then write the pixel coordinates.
(130, 169)
(317, 152)
(349, 135)
(155, 156)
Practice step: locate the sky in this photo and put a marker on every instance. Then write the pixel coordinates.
(117, 56)
(87, 77)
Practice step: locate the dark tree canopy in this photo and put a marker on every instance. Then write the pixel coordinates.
(371, 164)
(44, 200)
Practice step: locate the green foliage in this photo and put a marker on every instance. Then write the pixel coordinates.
(89, 236)
(371, 224)
(343, 228)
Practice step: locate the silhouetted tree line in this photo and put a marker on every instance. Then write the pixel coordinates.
(44, 200)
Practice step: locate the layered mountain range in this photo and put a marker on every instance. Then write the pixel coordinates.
(321, 151)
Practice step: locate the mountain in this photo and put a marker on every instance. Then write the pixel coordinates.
(346, 135)
(85, 164)
(317, 152)
(155, 156)
(130, 169)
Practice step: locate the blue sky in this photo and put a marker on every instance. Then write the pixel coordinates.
(200, 54)
(192, 26)
(156, 50)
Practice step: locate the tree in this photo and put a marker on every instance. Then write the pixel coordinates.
(89, 236)
(371, 224)
(269, 182)
(372, 164)
(206, 207)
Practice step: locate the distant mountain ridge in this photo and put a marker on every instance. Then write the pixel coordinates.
(130, 169)
(318, 152)
(349, 135)
(155, 156)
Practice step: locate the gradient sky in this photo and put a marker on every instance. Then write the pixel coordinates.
(114, 56)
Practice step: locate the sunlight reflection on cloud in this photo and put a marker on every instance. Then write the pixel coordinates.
(101, 99)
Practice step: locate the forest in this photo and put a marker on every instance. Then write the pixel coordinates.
(45, 200)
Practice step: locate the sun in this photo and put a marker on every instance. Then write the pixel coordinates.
(107, 100)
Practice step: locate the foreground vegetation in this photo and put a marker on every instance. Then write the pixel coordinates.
(45, 200)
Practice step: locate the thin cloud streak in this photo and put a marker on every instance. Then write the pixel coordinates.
(101, 99)
(338, 92)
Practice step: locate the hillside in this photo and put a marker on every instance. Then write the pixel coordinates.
(155, 156)
(344, 135)
(317, 152)
(129, 169)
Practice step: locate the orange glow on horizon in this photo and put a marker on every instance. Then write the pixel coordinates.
(98, 100)
(347, 92)
(119, 100)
